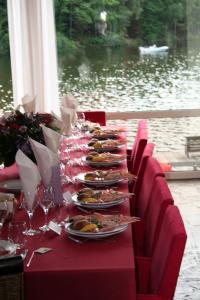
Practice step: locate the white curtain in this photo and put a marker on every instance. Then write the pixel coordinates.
(33, 52)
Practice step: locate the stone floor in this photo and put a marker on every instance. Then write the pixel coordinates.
(186, 195)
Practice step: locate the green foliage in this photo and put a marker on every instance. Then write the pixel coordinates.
(4, 38)
(151, 21)
(65, 45)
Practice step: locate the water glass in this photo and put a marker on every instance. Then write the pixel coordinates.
(45, 199)
(30, 211)
(16, 233)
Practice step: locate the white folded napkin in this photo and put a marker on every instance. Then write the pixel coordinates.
(57, 121)
(52, 138)
(68, 100)
(68, 118)
(29, 175)
(45, 158)
(49, 168)
(28, 103)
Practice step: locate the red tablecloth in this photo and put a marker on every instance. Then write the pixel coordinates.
(97, 270)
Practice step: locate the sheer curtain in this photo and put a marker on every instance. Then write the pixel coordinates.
(33, 52)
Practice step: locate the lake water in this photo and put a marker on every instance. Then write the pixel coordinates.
(122, 80)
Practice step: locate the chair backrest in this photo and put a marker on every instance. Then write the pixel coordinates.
(168, 254)
(11, 278)
(142, 124)
(135, 185)
(96, 117)
(159, 200)
(141, 198)
(140, 143)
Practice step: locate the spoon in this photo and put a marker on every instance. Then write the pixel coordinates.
(40, 251)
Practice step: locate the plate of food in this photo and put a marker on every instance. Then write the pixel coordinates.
(102, 178)
(105, 159)
(97, 199)
(96, 225)
(105, 133)
(106, 145)
(7, 249)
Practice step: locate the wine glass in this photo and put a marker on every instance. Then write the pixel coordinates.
(16, 234)
(45, 199)
(30, 208)
(80, 120)
(3, 212)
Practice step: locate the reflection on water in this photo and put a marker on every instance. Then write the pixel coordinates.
(121, 80)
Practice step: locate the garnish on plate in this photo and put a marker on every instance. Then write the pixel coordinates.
(100, 175)
(106, 144)
(104, 157)
(99, 223)
(88, 195)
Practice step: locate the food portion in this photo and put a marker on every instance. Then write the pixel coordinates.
(88, 195)
(99, 223)
(100, 175)
(106, 157)
(99, 132)
(107, 144)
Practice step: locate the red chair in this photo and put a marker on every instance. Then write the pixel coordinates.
(134, 186)
(157, 276)
(159, 200)
(136, 155)
(140, 200)
(143, 192)
(96, 117)
(142, 124)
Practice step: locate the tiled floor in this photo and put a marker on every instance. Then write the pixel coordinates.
(186, 195)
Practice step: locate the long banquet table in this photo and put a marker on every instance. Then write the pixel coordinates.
(97, 269)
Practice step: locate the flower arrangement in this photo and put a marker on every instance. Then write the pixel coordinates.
(15, 130)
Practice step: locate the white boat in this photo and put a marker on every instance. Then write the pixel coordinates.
(153, 49)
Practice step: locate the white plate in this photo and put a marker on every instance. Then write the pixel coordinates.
(106, 136)
(103, 163)
(96, 205)
(107, 149)
(7, 246)
(81, 177)
(95, 235)
(11, 185)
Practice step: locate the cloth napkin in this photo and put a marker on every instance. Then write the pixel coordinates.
(68, 100)
(57, 122)
(28, 103)
(68, 117)
(29, 175)
(9, 173)
(52, 138)
(49, 168)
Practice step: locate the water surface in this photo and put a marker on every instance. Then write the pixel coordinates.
(122, 80)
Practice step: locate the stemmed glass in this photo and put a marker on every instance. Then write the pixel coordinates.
(30, 208)
(16, 235)
(3, 212)
(45, 199)
(80, 120)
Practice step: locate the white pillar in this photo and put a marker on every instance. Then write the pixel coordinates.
(33, 52)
